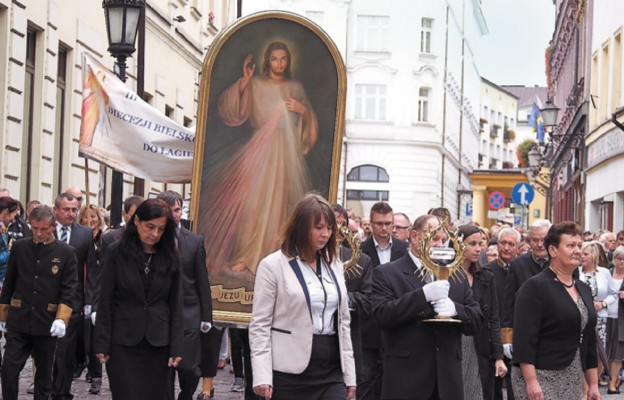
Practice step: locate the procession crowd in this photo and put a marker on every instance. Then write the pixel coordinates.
(533, 313)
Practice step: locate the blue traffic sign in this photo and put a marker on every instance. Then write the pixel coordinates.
(522, 194)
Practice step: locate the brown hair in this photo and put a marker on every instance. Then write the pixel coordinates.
(380, 207)
(553, 237)
(309, 210)
(266, 65)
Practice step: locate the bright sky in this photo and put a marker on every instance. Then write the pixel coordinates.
(512, 53)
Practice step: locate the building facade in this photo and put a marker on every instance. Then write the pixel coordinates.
(604, 188)
(498, 138)
(41, 49)
(412, 110)
(568, 73)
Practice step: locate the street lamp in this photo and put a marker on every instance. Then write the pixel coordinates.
(549, 114)
(122, 21)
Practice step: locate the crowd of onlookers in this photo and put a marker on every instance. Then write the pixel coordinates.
(388, 297)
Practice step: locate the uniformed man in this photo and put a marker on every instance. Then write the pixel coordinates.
(35, 303)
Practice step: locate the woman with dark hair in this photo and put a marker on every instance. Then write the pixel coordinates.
(8, 210)
(482, 353)
(139, 330)
(299, 331)
(554, 338)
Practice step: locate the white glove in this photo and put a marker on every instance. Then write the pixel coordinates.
(58, 328)
(3, 326)
(444, 307)
(204, 327)
(436, 290)
(87, 310)
(93, 318)
(508, 350)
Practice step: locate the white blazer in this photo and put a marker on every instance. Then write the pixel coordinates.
(605, 290)
(280, 331)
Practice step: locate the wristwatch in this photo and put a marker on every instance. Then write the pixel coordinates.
(604, 304)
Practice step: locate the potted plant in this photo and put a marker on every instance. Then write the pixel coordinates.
(522, 152)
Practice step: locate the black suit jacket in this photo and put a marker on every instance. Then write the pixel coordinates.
(81, 240)
(500, 277)
(420, 355)
(371, 335)
(126, 314)
(547, 324)
(522, 268)
(197, 304)
(33, 304)
(488, 340)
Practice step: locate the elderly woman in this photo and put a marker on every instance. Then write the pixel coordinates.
(615, 322)
(483, 353)
(299, 331)
(554, 337)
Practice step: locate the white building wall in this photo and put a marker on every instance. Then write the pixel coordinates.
(173, 56)
(605, 142)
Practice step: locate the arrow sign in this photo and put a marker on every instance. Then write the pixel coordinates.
(522, 194)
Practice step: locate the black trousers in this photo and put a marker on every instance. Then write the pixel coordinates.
(210, 344)
(65, 360)
(372, 371)
(18, 348)
(237, 343)
(498, 383)
(94, 366)
(188, 369)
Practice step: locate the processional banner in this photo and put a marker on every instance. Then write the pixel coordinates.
(270, 126)
(122, 131)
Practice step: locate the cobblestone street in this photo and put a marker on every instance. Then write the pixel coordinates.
(80, 387)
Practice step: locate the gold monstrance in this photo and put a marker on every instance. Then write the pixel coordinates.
(442, 262)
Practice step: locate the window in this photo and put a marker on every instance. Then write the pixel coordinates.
(59, 131)
(372, 195)
(370, 102)
(27, 122)
(372, 33)
(423, 105)
(425, 35)
(368, 173)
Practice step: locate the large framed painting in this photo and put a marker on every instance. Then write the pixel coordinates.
(270, 127)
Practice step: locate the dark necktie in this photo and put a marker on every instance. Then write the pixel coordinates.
(506, 268)
(64, 235)
(542, 262)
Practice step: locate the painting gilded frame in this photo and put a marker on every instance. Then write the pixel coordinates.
(317, 64)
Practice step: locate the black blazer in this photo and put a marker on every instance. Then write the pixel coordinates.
(399, 248)
(500, 277)
(547, 322)
(522, 268)
(81, 240)
(126, 314)
(371, 335)
(197, 304)
(488, 340)
(33, 304)
(420, 355)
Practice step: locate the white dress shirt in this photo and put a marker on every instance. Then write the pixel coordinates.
(384, 253)
(323, 297)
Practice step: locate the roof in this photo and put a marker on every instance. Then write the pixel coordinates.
(527, 94)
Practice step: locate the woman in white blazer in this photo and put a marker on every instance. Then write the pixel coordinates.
(299, 332)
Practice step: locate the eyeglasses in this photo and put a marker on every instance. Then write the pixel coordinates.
(380, 224)
(401, 227)
(78, 198)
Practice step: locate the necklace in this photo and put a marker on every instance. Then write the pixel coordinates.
(147, 263)
(568, 286)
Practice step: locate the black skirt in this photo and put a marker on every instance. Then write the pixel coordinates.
(138, 372)
(321, 380)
